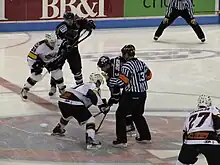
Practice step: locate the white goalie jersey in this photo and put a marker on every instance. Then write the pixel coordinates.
(82, 95)
(41, 50)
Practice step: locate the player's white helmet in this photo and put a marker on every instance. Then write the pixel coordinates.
(96, 78)
(204, 101)
(51, 38)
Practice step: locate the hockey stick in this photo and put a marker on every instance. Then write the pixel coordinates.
(44, 74)
(61, 57)
(97, 114)
(97, 129)
(79, 41)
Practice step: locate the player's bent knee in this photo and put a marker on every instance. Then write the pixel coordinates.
(91, 120)
(57, 74)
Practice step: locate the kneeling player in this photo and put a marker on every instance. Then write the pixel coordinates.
(75, 103)
(112, 68)
(43, 54)
(201, 134)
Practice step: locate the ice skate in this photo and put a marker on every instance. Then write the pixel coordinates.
(53, 90)
(62, 89)
(140, 140)
(119, 144)
(130, 130)
(24, 92)
(58, 131)
(92, 144)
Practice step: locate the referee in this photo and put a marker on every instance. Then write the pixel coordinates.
(133, 78)
(183, 8)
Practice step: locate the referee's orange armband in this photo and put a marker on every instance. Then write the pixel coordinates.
(149, 76)
(123, 78)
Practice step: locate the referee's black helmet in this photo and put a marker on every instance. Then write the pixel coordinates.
(128, 51)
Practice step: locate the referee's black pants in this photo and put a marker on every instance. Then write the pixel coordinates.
(133, 102)
(185, 15)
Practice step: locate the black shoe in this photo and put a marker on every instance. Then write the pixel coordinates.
(117, 143)
(156, 38)
(202, 40)
(57, 131)
(140, 140)
(92, 143)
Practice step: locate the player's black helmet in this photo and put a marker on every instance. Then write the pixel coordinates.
(103, 61)
(68, 15)
(129, 50)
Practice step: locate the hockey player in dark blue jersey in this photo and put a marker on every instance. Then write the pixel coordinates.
(111, 68)
(70, 31)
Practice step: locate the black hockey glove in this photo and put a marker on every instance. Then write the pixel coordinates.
(65, 47)
(38, 65)
(91, 25)
(104, 108)
(112, 101)
(86, 24)
(56, 64)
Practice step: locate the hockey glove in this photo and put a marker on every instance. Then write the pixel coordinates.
(38, 65)
(104, 108)
(56, 64)
(112, 101)
(91, 25)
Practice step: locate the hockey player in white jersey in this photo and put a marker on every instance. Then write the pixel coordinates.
(43, 54)
(74, 103)
(201, 134)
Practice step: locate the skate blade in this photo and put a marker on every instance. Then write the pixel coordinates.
(23, 99)
(120, 145)
(91, 147)
(144, 141)
(57, 134)
(129, 134)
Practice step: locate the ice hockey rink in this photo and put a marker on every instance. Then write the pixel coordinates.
(182, 67)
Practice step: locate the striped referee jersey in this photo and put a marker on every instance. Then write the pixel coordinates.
(180, 5)
(133, 77)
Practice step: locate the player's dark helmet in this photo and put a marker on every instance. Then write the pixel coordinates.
(128, 50)
(103, 61)
(69, 15)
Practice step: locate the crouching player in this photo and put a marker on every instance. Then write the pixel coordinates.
(74, 103)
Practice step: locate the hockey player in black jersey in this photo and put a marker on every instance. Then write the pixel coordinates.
(111, 68)
(69, 32)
